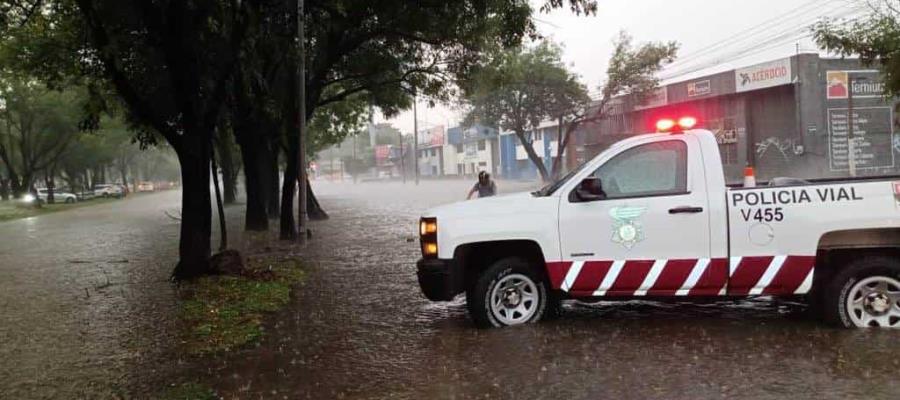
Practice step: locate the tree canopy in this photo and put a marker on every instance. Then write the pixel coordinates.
(875, 39)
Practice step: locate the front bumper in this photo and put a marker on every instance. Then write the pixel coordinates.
(440, 280)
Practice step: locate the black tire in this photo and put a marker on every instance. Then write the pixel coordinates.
(477, 297)
(105, 195)
(834, 299)
(69, 200)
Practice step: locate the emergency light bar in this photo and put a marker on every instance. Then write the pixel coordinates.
(670, 125)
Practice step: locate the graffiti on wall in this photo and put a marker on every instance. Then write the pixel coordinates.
(784, 147)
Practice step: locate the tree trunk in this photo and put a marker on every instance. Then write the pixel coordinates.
(288, 189)
(272, 198)
(196, 218)
(291, 127)
(226, 162)
(223, 228)
(48, 182)
(313, 208)
(123, 170)
(4, 189)
(255, 218)
(562, 142)
(529, 149)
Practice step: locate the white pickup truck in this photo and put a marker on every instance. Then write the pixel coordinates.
(652, 217)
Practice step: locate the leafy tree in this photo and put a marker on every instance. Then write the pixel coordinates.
(875, 39)
(520, 88)
(37, 126)
(631, 71)
(168, 62)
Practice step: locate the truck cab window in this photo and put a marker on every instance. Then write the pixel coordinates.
(652, 169)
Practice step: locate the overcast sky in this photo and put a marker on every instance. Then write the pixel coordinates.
(756, 31)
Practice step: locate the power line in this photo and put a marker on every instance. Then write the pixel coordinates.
(803, 23)
(749, 32)
(778, 38)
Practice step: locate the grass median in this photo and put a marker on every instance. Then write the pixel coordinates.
(221, 313)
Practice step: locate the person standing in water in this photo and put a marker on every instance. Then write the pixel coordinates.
(485, 186)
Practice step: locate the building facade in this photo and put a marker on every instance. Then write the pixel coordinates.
(472, 149)
(431, 151)
(514, 158)
(785, 117)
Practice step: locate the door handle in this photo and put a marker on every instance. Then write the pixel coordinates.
(685, 210)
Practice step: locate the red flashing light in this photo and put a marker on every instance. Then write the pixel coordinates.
(683, 123)
(664, 125)
(687, 122)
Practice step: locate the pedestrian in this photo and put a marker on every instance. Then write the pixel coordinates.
(485, 186)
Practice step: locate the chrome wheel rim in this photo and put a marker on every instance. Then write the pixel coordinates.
(875, 302)
(514, 299)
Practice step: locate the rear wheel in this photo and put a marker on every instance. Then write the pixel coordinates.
(510, 292)
(866, 294)
(70, 200)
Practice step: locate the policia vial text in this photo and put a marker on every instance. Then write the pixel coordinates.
(757, 202)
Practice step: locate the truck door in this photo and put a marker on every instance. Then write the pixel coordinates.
(650, 235)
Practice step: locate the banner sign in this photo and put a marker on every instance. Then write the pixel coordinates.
(866, 84)
(761, 76)
(699, 88)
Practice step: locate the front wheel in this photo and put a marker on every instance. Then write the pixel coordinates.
(866, 294)
(70, 200)
(510, 292)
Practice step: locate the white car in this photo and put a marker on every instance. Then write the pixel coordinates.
(58, 196)
(108, 190)
(652, 216)
(145, 187)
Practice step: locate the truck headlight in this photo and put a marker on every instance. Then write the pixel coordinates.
(428, 237)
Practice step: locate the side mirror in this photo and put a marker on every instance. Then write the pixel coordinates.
(590, 189)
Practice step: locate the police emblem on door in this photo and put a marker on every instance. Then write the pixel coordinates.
(627, 229)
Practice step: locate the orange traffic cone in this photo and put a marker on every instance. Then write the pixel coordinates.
(749, 177)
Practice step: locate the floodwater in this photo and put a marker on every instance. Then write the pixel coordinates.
(359, 328)
(86, 310)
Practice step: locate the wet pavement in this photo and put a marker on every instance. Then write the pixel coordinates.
(85, 305)
(359, 328)
(86, 311)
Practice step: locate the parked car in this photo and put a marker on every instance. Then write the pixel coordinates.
(82, 195)
(59, 196)
(145, 187)
(109, 190)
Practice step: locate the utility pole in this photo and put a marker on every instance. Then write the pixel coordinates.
(851, 156)
(301, 99)
(402, 167)
(416, 134)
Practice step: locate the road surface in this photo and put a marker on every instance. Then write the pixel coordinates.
(86, 312)
(360, 328)
(84, 299)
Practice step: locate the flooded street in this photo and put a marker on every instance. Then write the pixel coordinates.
(360, 328)
(85, 302)
(86, 311)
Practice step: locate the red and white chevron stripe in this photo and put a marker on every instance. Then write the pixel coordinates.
(775, 275)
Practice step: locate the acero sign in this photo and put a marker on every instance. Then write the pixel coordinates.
(761, 76)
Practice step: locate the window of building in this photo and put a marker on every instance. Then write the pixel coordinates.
(648, 170)
(459, 148)
(481, 145)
